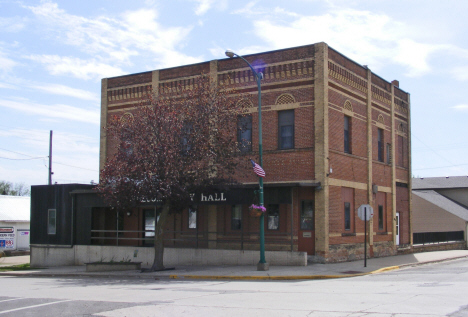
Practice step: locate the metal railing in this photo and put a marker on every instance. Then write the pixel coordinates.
(236, 240)
(437, 237)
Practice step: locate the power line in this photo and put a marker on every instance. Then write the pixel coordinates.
(16, 152)
(83, 168)
(431, 168)
(41, 157)
(26, 159)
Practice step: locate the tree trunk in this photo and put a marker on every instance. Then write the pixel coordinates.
(159, 240)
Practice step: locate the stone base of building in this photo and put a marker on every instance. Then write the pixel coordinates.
(48, 256)
(353, 252)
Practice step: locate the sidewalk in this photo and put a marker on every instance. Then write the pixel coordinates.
(311, 271)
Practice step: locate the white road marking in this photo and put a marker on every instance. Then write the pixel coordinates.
(7, 300)
(34, 306)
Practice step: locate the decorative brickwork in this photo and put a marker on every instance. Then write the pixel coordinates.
(321, 86)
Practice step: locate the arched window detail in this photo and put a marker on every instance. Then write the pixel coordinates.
(285, 99)
(126, 117)
(380, 119)
(245, 103)
(348, 106)
(401, 127)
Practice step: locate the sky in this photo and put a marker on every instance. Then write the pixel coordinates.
(53, 55)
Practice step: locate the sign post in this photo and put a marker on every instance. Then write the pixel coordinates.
(365, 213)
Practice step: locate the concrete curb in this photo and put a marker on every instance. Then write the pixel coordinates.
(221, 277)
(281, 278)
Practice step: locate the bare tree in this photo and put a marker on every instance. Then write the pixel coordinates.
(14, 189)
(172, 146)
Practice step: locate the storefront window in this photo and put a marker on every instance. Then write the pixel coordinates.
(236, 217)
(192, 218)
(273, 217)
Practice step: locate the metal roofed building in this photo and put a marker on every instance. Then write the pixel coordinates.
(440, 210)
(14, 222)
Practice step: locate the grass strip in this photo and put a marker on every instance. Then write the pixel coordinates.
(20, 267)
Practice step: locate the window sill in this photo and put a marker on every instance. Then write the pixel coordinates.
(348, 234)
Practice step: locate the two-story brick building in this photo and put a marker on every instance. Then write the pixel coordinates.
(335, 136)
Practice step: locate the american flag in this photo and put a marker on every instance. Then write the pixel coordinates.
(258, 169)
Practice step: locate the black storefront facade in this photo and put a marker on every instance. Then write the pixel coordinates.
(71, 225)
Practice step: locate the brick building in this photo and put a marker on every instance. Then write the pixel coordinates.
(335, 136)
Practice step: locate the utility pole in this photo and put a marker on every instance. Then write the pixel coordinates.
(50, 159)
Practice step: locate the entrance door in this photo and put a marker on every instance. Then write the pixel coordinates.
(397, 229)
(306, 238)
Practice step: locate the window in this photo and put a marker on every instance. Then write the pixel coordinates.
(52, 221)
(389, 153)
(286, 129)
(347, 216)
(185, 142)
(273, 217)
(380, 145)
(400, 151)
(381, 217)
(126, 146)
(347, 203)
(307, 215)
(347, 134)
(192, 218)
(120, 223)
(236, 217)
(244, 133)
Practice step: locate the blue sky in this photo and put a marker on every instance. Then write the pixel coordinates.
(53, 55)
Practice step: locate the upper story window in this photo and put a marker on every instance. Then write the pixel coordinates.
(244, 133)
(401, 152)
(389, 153)
(380, 144)
(286, 129)
(381, 217)
(186, 141)
(347, 134)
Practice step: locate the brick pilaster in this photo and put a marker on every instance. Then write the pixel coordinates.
(321, 150)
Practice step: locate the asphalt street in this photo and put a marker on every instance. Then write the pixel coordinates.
(428, 290)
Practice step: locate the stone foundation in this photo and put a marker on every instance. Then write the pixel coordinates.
(353, 252)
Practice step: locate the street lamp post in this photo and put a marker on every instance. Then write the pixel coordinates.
(262, 264)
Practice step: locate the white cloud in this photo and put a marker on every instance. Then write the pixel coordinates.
(57, 89)
(366, 37)
(111, 40)
(7, 85)
(83, 69)
(460, 108)
(460, 73)
(53, 111)
(13, 25)
(205, 5)
(247, 10)
(6, 64)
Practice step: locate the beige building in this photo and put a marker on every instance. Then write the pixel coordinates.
(440, 209)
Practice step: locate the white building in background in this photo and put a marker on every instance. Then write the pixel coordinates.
(15, 218)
